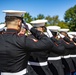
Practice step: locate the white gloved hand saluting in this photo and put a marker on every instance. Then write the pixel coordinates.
(49, 33)
(62, 36)
(29, 26)
(70, 36)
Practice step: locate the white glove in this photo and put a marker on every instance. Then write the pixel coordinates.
(62, 36)
(46, 34)
(49, 33)
(29, 25)
(70, 36)
(58, 36)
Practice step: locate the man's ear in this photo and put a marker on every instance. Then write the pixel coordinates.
(19, 22)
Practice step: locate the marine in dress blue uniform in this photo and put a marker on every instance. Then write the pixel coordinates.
(15, 49)
(73, 51)
(37, 64)
(54, 59)
(69, 46)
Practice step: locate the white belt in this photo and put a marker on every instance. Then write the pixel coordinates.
(72, 55)
(54, 58)
(62, 56)
(67, 56)
(16, 73)
(37, 64)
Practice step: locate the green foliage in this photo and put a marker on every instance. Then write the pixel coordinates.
(70, 18)
(52, 20)
(28, 17)
(63, 24)
(55, 21)
(34, 18)
(49, 18)
(40, 16)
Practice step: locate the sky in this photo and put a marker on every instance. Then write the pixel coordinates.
(35, 7)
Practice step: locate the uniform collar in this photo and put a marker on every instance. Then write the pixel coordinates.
(11, 31)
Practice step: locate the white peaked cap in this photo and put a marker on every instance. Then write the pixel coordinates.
(38, 23)
(71, 33)
(14, 13)
(63, 30)
(53, 28)
(2, 26)
(29, 25)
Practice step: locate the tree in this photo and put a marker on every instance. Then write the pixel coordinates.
(70, 18)
(34, 18)
(28, 17)
(55, 20)
(52, 20)
(49, 18)
(63, 24)
(40, 16)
